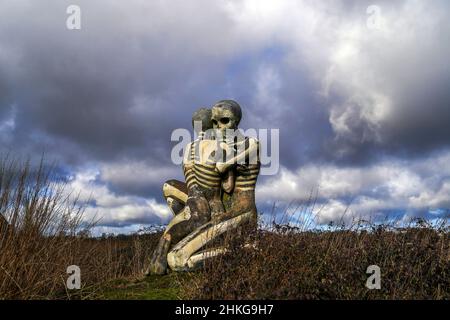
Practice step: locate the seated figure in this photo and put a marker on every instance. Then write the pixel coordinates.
(238, 171)
(198, 200)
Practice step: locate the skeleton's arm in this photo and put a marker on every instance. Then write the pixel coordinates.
(251, 152)
(188, 165)
(188, 155)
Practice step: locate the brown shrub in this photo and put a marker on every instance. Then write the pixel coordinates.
(286, 263)
(42, 233)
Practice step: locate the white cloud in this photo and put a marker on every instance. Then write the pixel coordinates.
(7, 125)
(372, 71)
(137, 174)
(420, 185)
(112, 209)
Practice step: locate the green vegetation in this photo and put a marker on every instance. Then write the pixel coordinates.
(153, 287)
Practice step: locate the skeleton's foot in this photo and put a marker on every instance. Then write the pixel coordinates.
(179, 255)
(157, 267)
(197, 260)
(158, 262)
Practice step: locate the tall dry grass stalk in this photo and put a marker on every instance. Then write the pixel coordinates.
(42, 232)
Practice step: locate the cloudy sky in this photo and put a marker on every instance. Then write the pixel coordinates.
(360, 91)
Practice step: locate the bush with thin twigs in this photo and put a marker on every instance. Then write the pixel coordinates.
(285, 262)
(42, 232)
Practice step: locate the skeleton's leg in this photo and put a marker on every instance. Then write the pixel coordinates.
(194, 215)
(199, 206)
(175, 193)
(184, 215)
(176, 196)
(174, 205)
(158, 261)
(178, 257)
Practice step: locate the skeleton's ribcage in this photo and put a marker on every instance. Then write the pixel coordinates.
(201, 170)
(249, 165)
(206, 175)
(246, 179)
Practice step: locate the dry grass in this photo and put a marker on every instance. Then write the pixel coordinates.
(286, 263)
(41, 234)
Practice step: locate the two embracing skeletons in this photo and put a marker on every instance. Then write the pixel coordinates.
(220, 167)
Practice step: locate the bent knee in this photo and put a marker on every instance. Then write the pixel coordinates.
(176, 261)
(175, 189)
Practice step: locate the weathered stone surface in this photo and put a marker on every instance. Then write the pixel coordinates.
(221, 171)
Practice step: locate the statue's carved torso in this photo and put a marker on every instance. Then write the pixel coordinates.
(204, 174)
(242, 199)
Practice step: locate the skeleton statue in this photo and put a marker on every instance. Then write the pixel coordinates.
(226, 115)
(220, 171)
(178, 194)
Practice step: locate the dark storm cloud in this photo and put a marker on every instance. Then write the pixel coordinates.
(114, 89)
(109, 95)
(118, 87)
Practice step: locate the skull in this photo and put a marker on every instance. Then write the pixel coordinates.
(203, 117)
(226, 114)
